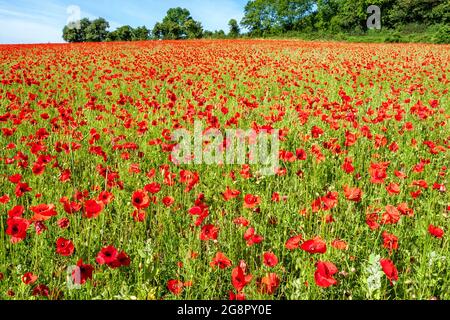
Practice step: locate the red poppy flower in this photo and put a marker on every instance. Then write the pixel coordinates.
(15, 178)
(93, 208)
(153, 188)
(353, 194)
(82, 273)
(71, 207)
(241, 221)
(139, 215)
(436, 231)
(378, 172)
(29, 278)
(230, 194)
(270, 283)
(348, 165)
(372, 221)
(40, 227)
(63, 223)
(325, 203)
(41, 290)
(339, 244)
(390, 241)
(21, 189)
(294, 242)
(316, 245)
(123, 259)
(189, 178)
(140, 199)
(251, 201)
(405, 210)
(16, 212)
(239, 279)
(64, 247)
(43, 212)
(221, 261)
(175, 286)
(400, 174)
(236, 297)
(252, 238)
(4, 199)
(324, 274)
(301, 154)
(391, 215)
(17, 229)
(270, 259)
(168, 201)
(209, 232)
(107, 255)
(389, 269)
(330, 201)
(195, 211)
(393, 189)
(105, 197)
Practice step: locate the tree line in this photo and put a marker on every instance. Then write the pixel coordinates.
(276, 17)
(266, 17)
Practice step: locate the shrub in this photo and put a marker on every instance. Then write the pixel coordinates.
(442, 35)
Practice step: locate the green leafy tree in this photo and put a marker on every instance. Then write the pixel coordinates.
(235, 31)
(124, 33)
(76, 32)
(178, 24)
(141, 34)
(219, 34)
(97, 31)
(193, 29)
(275, 16)
(259, 17)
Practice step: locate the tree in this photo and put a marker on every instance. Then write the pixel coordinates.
(193, 29)
(97, 30)
(259, 17)
(235, 31)
(141, 34)
(271, 17)
(219, 34)
(124, 33)
(178, 24)
(76, 32)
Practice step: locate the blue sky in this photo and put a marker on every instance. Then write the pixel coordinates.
(41, 21)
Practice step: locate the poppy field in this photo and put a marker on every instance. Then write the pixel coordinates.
(92, 205)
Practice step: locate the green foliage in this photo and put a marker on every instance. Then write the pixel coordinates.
(178, 24)
(235, 31)
(263, 17)
(442, 35)
(97, 30)
(217, 34)
(393, 38)
(76, 32)
(402, 20)
(141, 34)
(124, 33)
